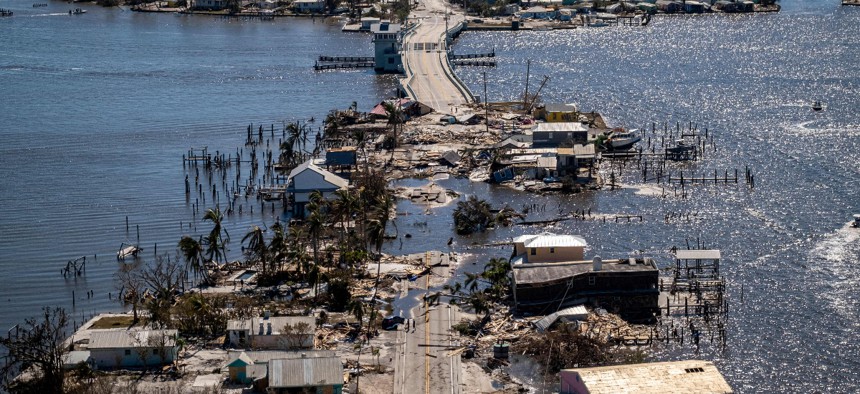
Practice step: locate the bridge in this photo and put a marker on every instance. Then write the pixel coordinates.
(429, 76)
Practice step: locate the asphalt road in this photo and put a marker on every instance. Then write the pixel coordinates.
(422, 362)
(424, 57)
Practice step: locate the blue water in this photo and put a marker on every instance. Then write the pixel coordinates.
(97, 110)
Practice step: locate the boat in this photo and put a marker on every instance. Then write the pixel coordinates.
(77, 11)
(816, 106)
(856, 222)
(619, 139)
(126, 251)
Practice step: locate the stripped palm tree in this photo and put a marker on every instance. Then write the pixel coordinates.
(216, 244)
(192, 250)
(256, 249)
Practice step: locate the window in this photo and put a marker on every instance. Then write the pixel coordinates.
(591, 280)
(552, 250)
(154, 352)
(128, 352)
(694, 370)
(534, 251)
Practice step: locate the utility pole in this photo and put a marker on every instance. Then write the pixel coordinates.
(526, 96)
(486, 105)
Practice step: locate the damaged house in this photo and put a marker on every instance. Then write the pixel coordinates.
(550, 272)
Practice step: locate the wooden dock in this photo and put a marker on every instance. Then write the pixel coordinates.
(484, 63)
(5, 12)
(340, 66)
(363, 59)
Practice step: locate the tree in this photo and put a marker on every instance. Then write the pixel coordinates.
(394, 115)
(257, 249)
(192, 250)
(131, 289)
(38, 347)
(472, 215)
(294, 335)
(163, 279)
(216, 244)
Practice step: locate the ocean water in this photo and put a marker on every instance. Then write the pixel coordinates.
(97, 110)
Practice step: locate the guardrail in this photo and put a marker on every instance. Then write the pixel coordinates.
(464, 90)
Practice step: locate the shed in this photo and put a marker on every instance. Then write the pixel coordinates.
(568, 314)
(320, 374)
(546, 135)
(238, 368)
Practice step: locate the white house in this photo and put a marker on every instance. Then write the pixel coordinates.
(537, 13)
(132, 348)
(386, 44)
(309, 6)
(307, 178)
(278, 332)
(548, 248)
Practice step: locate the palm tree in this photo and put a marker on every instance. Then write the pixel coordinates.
(216, 245)
(472, 215)
(497, 272)
(257, 249)
(472, 281)
(277, 246)
(193, 252)
(395, 117)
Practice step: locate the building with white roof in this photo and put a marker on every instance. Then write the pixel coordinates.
(548, 248)
(276, 332)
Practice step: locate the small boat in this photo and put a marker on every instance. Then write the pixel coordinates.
(816, 106)
(77, 11)
(127, 250)
(619, 139)
(856, 222)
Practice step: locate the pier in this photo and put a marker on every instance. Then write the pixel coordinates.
(5, 12)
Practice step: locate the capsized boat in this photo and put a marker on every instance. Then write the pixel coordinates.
(816, 106)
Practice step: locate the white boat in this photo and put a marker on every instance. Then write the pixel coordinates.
(77, 11)
(621, 139)
(126, 251)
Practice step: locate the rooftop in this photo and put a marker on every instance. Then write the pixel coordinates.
(689, 376)
(278, 323)
(547, 272)
(559, 127)
(683, 254)
(305, 372)
(549, 240)
(117, 339)
(328, 176)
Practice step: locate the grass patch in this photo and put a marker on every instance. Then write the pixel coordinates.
(113, 322)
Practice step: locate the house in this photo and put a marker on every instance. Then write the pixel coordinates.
(241, 369)
(210, 4)
(309, 6)
(306, 372)
(558, 113)
(688, 376)
(132, 348)
(537, 13)
(516, 141)
(308, 178)
(386, 43)
(344, 156)
(367, 22)
(267, 4)
(547, 248)
(549, 272)
(694, 7)
(570, 160)
(551, 135)
(277, 332)
(669, 6)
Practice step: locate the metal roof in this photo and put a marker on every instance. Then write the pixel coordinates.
(575, 313)
(549, 240)
(305, 372)
(552, 107)
(683, 254)
(264, 356)
(550, 272)
(120, 339)
(689, 376)
(278, 323)
(559, 127)
(328, 176)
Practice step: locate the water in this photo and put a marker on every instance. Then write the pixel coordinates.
(98, 109)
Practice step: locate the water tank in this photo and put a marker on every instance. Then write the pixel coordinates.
(269, 329)
(598, 263)
(261, 328)
(500, 350)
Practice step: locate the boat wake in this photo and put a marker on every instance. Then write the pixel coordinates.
(836, 257)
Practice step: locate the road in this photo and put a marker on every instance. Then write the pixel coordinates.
(422, 363)
(428, 73)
